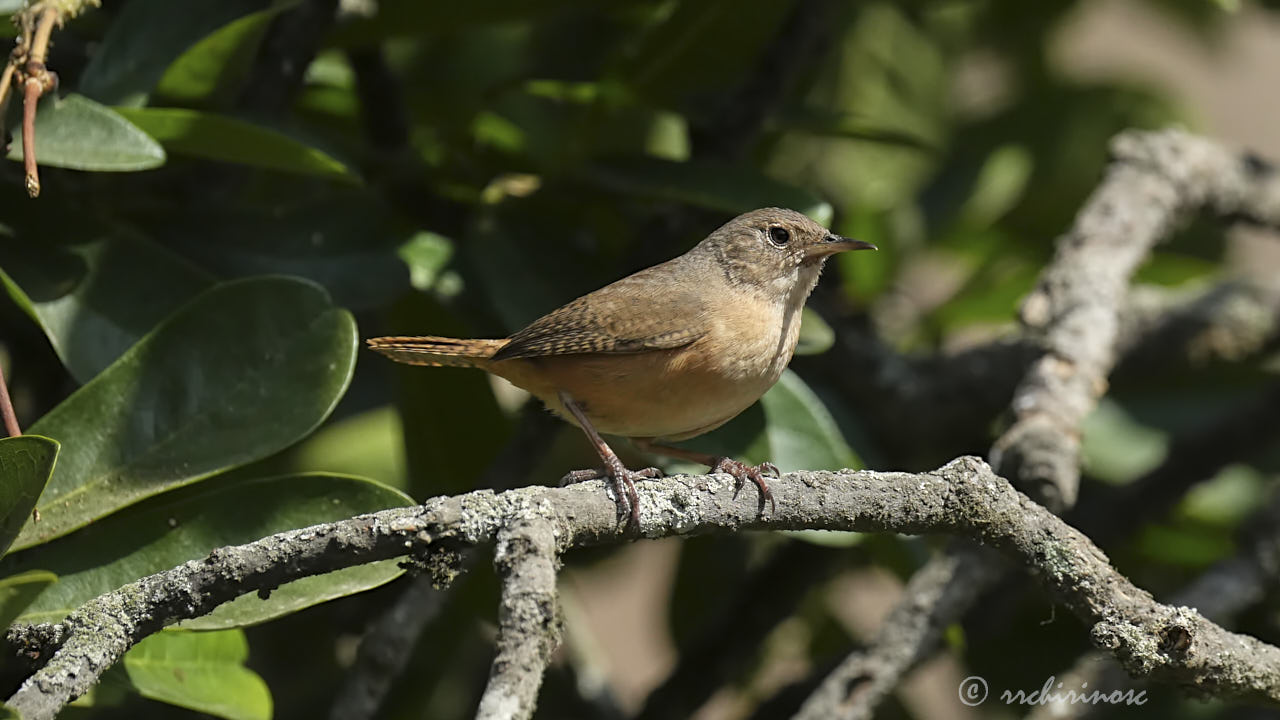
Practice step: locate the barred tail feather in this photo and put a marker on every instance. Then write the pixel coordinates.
(437, 351)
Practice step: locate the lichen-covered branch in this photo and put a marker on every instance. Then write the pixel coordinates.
(1225, 589)
(964, 498)
(528, 619)
(1154, 182)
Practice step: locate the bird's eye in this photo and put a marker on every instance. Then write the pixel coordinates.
(779, 235)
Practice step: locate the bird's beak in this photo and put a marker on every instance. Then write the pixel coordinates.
(833, 244)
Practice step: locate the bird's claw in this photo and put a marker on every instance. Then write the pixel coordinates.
(624, 488)
(742, 472)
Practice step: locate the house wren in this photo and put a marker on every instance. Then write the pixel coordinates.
(673, 351)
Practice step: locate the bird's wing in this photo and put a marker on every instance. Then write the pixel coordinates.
(629, 316)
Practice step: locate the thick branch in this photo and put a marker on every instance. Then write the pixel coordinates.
(528, 620)
(1224, 590)
(1154, 182)
(963, 498)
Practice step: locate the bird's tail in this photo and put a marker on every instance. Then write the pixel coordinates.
(437, 351)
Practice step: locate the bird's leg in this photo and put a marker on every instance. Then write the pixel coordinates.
(624, 487)
(740, 471)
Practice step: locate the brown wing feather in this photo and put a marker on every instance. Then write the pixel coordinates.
(628, 316)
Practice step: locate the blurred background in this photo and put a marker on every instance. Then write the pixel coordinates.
(462, 168)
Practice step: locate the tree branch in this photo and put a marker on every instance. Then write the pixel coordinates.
(1155, 181)
(528, 619)
(1225, 589)
(963, 498)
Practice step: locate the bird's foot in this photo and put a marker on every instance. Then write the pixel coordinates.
(742, 472)
(624, 487)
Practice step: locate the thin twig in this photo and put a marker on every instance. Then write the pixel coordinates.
(36, 80)
(10, 418)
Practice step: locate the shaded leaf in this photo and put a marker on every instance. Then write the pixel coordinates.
(26, 461)
(244, 370)
(201, 671)
(700, 47)
(715, 186)
(142, 540)
(228, 139)
(816, 336)
(346, 241)
(17, 592)
(77, 133)
(146, 37)
(96, 299)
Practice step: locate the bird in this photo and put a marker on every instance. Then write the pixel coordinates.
(667, 353)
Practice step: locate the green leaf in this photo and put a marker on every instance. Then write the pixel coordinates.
(201, 671)
(244, 370)
(715, 186)
(801, 433)
(26, 461)
(700, 47)
(212, 68)
(187, 525)
(1117, 448)
(96, 299)
(227, 139)
(145, 37)
(998, 187)
(17, 592)
(816, 336)
(346, 240)
(370, 444)
(77, 133)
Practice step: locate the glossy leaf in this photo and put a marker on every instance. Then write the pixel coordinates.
(211, 67)
(789, 427)
(801, 433)
(77, 133)
(228, 139)
(169, 531)
(95, 300)
(26, 462)
(17, 591)
(201, 671)
(146, 37)
(244, 370)
(726, 188)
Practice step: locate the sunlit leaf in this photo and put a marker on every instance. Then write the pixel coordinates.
(201, 671)
(26, 462)
(77, 133)
(145, 37)
(228, 139)
(245, 369)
